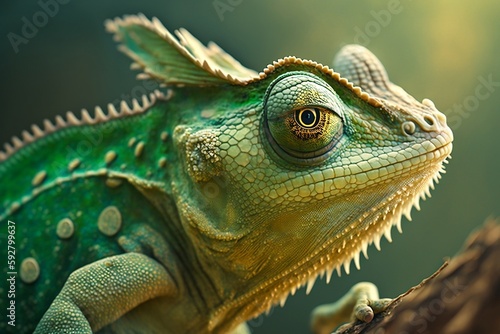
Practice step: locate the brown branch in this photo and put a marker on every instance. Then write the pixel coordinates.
(462, 297)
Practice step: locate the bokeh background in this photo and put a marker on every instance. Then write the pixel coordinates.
(447, 51)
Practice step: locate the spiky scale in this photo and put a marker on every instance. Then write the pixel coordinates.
(356, 260)
(310, 285)
(387, 232)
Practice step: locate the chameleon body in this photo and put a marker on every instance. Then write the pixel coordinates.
(202, 206)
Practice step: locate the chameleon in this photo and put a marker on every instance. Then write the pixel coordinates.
(211, 200)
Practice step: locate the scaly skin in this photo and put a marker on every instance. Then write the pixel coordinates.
(211, 202)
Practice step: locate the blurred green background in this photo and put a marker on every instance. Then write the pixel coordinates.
(447, 51)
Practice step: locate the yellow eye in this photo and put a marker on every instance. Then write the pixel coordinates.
(303, 118)
(305, 130)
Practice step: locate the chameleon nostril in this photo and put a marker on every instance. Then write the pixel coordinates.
(408, 128)
(429, 120)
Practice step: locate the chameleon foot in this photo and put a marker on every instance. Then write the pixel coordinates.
(361, 302)
(101, 292)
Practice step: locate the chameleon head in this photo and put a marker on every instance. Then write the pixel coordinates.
(268, 180)
(313, 166)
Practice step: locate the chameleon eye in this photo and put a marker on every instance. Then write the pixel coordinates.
(303, 116)
(306, 132)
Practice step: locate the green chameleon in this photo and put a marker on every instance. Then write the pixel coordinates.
(204, 205)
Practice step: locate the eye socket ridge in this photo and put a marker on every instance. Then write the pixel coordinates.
(303, 119)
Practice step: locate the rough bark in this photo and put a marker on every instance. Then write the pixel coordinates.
(460, 297)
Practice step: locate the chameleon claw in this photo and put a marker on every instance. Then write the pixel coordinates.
(361, 302)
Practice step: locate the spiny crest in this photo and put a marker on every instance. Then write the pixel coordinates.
(291, 60)
(214, 66)
(173, 61)
(85, 119)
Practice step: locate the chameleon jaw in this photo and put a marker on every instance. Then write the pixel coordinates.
(383, 224)
(389, 214)
(332, 257)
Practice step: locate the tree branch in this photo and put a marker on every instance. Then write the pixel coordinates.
(462, 297)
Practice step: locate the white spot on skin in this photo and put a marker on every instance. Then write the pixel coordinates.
(39, 178)
(65, 228)
(138, 149)
(110, 157)
(109, 221)
(30, 270)
(113, 182)
(74, 164)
